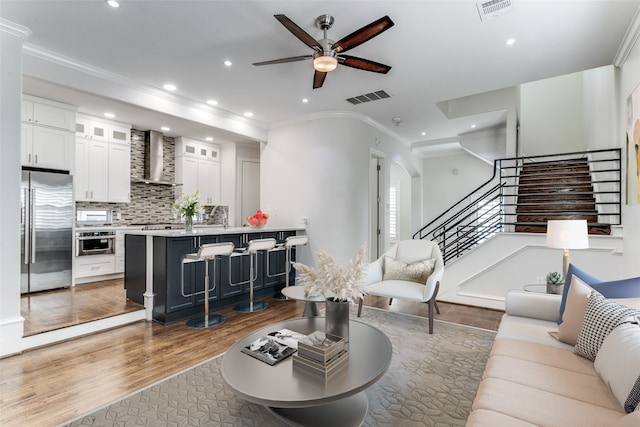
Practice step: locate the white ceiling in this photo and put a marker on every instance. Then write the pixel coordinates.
(439, 50)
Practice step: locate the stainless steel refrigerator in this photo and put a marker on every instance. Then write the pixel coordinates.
(46, 230)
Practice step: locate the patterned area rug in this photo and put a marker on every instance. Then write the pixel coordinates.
(432, 381)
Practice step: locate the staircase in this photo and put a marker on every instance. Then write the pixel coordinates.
(558, 189)
(524, 192)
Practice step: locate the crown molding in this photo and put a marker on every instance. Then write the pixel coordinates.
(134, 85)
(14, 29)
(628, 41)
(342, 115)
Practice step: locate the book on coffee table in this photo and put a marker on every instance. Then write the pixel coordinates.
(268, 350)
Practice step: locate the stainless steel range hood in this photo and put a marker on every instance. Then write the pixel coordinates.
(154, 160)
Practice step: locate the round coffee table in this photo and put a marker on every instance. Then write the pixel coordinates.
(300, 399)
(299, 293)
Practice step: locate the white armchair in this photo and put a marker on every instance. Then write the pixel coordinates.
(415, 256)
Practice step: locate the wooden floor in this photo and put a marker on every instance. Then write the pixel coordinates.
(50, 385)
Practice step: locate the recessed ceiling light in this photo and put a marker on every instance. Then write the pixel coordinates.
(423, 133)
(112, 3)
(305, 100)
(473, 126)
(228, 63)
(509, 42)
(212, 102)
(109, 115)
(209, 139)
(170, 87)
(165, 128)
(248, 114)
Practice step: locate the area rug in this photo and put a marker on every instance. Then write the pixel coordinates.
(431, 381)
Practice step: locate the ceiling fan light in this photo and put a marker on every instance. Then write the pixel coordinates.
(325, 63)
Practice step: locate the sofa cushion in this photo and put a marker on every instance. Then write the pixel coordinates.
(617, 364)
(418, 271)
(540, 407)
(600, 318)
(576, 305)
(489, 418)
(587, 388)
(543, 354)
(580, 274)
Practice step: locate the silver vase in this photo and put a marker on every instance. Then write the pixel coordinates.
(336, 324)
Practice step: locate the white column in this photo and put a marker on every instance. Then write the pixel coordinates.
(12, 37)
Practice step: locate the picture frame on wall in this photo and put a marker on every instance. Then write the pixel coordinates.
(633, 147)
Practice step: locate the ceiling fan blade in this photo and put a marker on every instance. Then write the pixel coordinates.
(363, 34)
(283, 60)
(318, 79)
(298, 32)
(363, 64)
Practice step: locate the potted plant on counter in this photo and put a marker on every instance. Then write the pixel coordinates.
(339, 284)
(188, 205)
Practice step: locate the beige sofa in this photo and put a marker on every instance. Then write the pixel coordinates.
(532, 379)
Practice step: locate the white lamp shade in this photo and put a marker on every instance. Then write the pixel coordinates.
(567, 234)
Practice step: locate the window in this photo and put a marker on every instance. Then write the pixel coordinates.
(393, 212)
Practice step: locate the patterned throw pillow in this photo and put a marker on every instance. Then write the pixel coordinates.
(418, 271)
(600, 318)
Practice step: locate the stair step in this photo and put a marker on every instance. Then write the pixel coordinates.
(551, 208)
(596, 229)
(544, 217)
(535, 179)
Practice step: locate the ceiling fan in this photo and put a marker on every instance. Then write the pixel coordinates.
(327, 53)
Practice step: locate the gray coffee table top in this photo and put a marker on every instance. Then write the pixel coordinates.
(280, 386)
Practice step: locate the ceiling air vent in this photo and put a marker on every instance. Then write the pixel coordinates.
(373, 96)
(492, 8)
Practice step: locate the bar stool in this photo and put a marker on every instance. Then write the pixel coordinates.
(252, 250)
(206, 253)
(289, 243)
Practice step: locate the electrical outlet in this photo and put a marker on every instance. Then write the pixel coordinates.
(305, 220)
(119, 216)
(540, 280)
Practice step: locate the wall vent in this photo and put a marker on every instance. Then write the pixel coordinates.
(492, 8)
(368, 97)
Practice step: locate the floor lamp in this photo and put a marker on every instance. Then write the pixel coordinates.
(567, 234)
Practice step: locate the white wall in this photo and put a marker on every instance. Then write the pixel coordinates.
(448, 179)
(551, 116)
(320, 169)
(628, 80)
(11, 322)
(403, 180)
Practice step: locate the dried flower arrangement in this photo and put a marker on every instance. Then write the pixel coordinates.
(344, 282)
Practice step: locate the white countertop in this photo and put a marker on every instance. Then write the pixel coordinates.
(212, 230)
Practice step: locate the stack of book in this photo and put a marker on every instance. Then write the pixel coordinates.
(320, 356)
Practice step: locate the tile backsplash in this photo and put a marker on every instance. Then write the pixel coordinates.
(150, 203)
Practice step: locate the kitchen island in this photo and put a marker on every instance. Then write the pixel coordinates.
(156, 276)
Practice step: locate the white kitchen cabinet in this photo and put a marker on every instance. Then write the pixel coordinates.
(119, 134)
(103, 160)
(119, 178)
(198, 168)
(209, 181)
(43, 112)
(45, 147)
(93, 265)
(91, 178)
(89, 128)
(47, 139)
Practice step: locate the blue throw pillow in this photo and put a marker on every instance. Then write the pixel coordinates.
(624, 288)
(582, 275)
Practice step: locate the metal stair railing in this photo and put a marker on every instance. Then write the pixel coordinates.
(492, 207)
